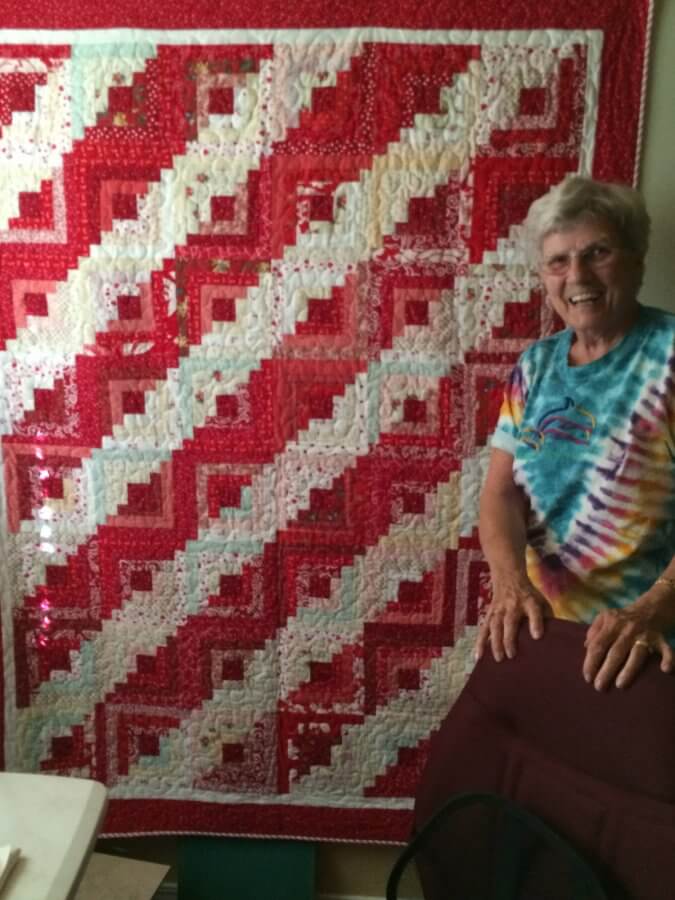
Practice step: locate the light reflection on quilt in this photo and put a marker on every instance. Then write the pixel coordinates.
(258, 299)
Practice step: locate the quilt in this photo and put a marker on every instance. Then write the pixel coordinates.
(260, 285)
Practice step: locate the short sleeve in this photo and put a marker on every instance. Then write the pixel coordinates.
(507, 432)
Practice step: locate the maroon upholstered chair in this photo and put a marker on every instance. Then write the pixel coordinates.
(599, 768)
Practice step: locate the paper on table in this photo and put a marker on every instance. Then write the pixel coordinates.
(118, 878)
(8, 856)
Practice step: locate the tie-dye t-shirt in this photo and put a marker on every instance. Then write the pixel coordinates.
(594, 451)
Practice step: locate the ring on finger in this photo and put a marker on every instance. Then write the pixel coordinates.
(642, 643)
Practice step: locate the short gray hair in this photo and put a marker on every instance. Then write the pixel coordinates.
(577, 199)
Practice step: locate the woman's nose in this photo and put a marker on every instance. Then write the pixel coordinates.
(578, 268)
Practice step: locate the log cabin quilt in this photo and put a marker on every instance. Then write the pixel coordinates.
(260, 286)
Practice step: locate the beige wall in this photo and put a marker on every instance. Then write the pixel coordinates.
(657, 176)
(358, 871)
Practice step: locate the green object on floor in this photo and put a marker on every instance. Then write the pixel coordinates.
(243, 869)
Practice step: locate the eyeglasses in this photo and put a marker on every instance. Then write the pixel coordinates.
(595, 257)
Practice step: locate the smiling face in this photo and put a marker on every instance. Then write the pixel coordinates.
(590, 279)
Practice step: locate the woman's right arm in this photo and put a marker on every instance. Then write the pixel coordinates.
(502, 528)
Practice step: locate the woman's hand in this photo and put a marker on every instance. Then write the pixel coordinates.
(620, 641)
(514, 598)
(503, 537)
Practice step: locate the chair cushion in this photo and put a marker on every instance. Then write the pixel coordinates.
(598, 768)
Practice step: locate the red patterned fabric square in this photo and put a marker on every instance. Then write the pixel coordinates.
(224, 309)
(222, 209)
(321, 208)
(129, 306)
(35, 304)
(124, 206)
(221, 101)
(133, 402)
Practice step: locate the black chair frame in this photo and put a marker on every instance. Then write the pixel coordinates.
(521, 831)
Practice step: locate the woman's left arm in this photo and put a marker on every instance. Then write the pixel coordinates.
(620, 641)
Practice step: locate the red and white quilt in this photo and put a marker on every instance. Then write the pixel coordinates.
(260, 284)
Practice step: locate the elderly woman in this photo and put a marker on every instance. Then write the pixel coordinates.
(577, 521)
(577, 515)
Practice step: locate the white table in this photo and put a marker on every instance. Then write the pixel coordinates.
(54, 821)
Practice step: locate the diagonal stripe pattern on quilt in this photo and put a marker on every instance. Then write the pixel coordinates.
(259, 291)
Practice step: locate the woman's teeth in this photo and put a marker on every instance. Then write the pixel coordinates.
(582, 298)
